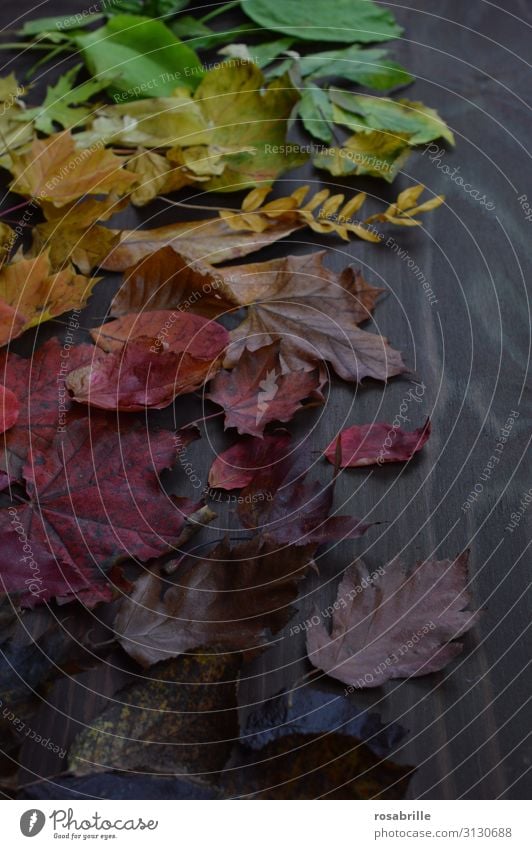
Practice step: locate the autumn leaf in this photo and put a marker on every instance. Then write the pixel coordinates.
(394, 624)
(315, 312)
(153, 357)
(286, 508)
(175, 722)
(39, 384)
(211, 240)
(309, 710)
(72, 233)
(257, 391)
(30, 294)
(55, 171)
(378, 442)
(166, 280)
(95, 497)
(243, 110)
(9, 408)
(314, 766)
(232, 600)
(237, 466)
(181, 332)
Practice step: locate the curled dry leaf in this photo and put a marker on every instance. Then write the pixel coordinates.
(180, 332)
(315, 312)
(237, 466)
(378, 442)
(232, 600)
(9, 408)
(30, 294)
(394, 624)
(166, 280)
(256, 391)
(95, 497)
(54, 170)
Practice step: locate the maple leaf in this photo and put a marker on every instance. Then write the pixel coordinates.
(71, 232)
(378, 442)
(394, 624)
(56, 171)
(39, 384)
(286, 508)
(165, 279)
(30, 294)
(95, 497)
(232, 600)
(257, 391)
(9, 408)
(166, 354)
(315, 312)
(237, 466)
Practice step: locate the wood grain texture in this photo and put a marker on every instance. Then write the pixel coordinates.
(470, 349)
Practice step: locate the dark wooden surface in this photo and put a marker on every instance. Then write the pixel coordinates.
(468, 725)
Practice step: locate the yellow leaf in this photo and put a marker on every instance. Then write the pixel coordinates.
(53, 170)
(33, 295)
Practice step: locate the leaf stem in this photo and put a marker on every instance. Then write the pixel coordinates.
(219, 10)
(4, 212)
(196, 206)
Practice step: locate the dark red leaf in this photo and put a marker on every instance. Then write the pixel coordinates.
(237, 466)
(257, 391)
(9, 408)
(95, 498)
(379, 442)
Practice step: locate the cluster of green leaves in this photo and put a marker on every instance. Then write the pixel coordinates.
(144, 49)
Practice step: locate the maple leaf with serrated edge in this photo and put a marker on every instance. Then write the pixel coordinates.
(315, 312)
(31, 294)
(39, 384)
(394, 624)
(95, 498)
(256, 391)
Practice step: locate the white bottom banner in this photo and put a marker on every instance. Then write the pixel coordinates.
(254, 824)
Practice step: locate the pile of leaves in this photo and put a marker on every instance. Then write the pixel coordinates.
(91, 530)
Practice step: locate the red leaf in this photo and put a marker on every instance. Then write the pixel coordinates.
(172, 330)
(287, 509)
(9, 408)
(136, 378)
(394, 625)
(95, 498)
(257, 392)
(237, 466)
(379, 442)
(39, 384)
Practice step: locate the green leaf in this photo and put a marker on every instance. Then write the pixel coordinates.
(143, 56)
(157, 8)
(369, 68)
(202, 36)
(317, 20)
(316, 113)
(57, 23)
(61, 100)
(362, 112)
